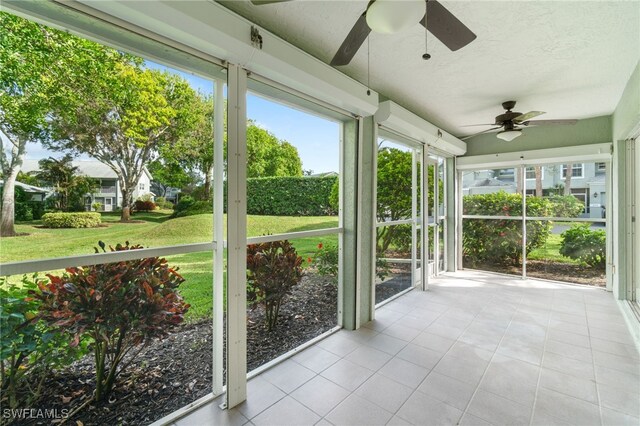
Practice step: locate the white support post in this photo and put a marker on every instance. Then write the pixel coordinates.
(522, 171)
(340, 309)
(237, 237)
(609, 227)
(374, 230)
(445, 225)
(425, 218)
(436, 219)
(414, 214)
(359, 236)
(218, 237)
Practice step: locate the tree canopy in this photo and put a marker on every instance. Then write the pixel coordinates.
(33, 62)
(268, 156)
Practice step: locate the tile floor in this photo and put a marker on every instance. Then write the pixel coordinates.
(477, 349)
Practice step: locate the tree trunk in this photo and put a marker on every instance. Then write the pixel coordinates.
(125, 216)
(7, 219)
(208, 177)
(567, 180)
(519, 183)
(538, 171)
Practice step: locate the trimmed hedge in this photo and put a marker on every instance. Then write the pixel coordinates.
(290, 196)
(72, 220)
(277, 196)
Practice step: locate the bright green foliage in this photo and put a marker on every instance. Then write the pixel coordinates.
(119, 306)
(190, 207)
(70, 188)
(33, 63)
(269, 156)
(167, 172)
(273, 269)
(72, 220)
(500, 240)
(163, 203)
(326, 261)
(290, 196)
(28, 348)
(588, 246)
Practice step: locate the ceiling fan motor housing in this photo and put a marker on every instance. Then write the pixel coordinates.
(507, 117)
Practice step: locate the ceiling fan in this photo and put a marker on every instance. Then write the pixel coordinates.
(512, 122)
(390, 16)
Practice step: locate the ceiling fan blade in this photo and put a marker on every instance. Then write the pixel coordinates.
(446, 27)
(476, 125)
(479, 133)
(527, 116)
(261, 2)
(549, 122)
(352, 43)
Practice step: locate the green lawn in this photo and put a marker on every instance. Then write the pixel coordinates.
(551, 251)
(156, 229)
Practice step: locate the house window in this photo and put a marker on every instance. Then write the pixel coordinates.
(601, 167)
(531, 173)
(141, 186)
(107, 201)
(576, 169)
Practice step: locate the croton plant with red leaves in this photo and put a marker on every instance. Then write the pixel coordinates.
(121, 306)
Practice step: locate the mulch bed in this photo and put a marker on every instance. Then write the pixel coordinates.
(549, 270)
(172, 373)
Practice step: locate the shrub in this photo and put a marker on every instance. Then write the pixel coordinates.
(183, 204)
(28, 349)
(162, 203)
(193, 208)
(273, 269)
(565, 206)
(334, 196)
(500, 240)
(326, 261)
(96, 206)
(119, 306)
(72, 220)
(26, 209)
(290, 196)
(588, 246)
(144, 206)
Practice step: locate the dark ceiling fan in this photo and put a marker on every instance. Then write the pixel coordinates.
(439, 21)
(512, 122)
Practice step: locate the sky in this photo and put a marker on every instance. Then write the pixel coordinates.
(316, 139)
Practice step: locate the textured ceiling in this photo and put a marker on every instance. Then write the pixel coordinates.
(571, 59)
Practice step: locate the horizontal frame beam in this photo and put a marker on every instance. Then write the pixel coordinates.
(41, 265)
(294, 235)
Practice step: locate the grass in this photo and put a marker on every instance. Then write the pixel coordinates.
(157, 229)
(551, 251)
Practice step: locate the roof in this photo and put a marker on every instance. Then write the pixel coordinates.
(90, 168)
(28, 188)
(490, 182)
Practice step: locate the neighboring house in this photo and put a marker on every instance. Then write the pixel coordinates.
(109, 193)
(587, 183)
(37, 194)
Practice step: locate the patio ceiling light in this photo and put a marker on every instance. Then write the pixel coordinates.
(509, 135)
(392, 16)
